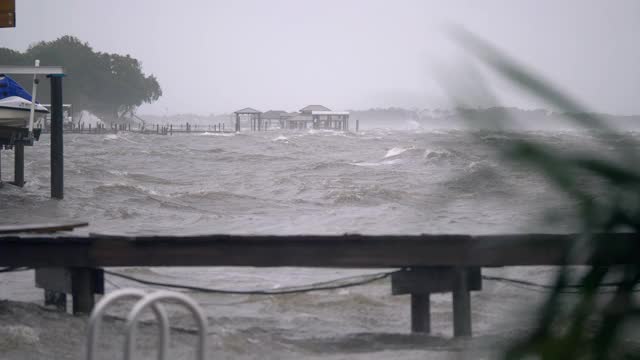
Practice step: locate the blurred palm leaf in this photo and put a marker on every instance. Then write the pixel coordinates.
(590, 326)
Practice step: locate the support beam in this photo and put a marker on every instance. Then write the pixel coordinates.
(461, 303)
(81, 282)
(18, 161)
(57, 164)
(421, 313)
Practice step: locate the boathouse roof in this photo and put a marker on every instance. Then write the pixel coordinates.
(310, 108)
(274, 114)
(248, 111)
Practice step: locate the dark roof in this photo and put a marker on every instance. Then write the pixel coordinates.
(248, 111)
(274, 114)
(310, 108)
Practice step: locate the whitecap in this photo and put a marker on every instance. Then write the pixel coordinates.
(385, 162)
(216, 134)
(396, 151)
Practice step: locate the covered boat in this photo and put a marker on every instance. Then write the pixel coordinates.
(15, 103)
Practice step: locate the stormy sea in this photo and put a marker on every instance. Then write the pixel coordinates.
(376, 181)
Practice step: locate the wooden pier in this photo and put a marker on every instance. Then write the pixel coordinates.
(431, 263)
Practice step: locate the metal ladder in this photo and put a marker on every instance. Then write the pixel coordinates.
(146, 300)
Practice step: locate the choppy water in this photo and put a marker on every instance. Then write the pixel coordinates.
(379, 181)
(322, 182)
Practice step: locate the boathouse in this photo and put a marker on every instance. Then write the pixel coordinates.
(309, 117)
(252, 115)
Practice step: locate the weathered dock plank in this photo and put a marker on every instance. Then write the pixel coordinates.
(40, 228)
(351, 251)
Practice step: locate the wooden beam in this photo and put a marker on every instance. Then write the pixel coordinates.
(30, 70)
(355, 251)
(40, 228)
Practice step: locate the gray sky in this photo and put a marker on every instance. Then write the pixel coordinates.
(218, 56)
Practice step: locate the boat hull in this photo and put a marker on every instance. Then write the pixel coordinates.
(14, 111)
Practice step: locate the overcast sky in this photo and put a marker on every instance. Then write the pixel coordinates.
(218, 56)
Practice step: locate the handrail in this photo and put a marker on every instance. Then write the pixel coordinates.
(108, 300)
(151, 300)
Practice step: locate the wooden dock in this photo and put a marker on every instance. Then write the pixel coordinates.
(431, 263)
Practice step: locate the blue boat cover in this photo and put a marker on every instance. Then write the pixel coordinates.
(9, 87)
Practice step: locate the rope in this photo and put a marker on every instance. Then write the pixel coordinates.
(327, 285)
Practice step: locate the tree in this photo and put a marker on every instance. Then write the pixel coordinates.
(111, 86)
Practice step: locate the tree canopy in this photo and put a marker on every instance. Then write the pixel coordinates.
(111, 86)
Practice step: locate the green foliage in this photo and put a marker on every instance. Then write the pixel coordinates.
(111, 86)
(592, 325)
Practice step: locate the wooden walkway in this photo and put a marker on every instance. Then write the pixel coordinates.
(70, 264)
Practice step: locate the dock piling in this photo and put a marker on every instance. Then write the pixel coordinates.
(82, 290)
(18, 174)
(421, 313)
(461, 303)
(421, 282)
(57, 162)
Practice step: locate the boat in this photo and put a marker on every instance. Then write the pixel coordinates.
(15, 104)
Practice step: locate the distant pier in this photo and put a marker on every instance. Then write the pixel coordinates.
(309, 117)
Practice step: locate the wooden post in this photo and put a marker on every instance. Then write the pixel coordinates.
(83, 288)
(18, 161)
(461, 303)
(421, 313)
(171, 129)
(357, 125)
(57, 160)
